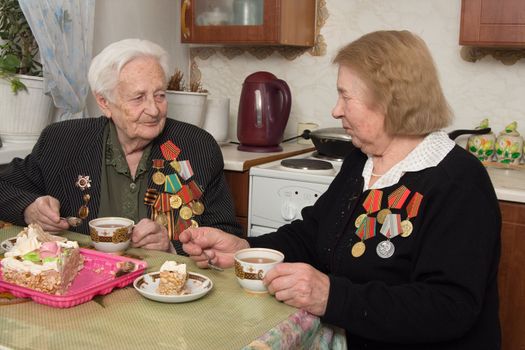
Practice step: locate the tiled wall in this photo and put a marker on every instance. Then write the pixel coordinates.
(485, 89)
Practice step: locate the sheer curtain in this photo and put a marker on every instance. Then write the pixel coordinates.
(64, 33)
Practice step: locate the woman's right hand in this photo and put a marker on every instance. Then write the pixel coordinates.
(45, 211)
(208, 244)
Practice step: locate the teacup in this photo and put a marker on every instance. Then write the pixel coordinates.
(252, 264)
(111, 234)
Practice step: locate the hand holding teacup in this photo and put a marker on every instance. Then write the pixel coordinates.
(299, 285)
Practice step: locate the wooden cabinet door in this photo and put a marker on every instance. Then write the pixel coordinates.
(512, 276)
(285, 22)
(492, 23)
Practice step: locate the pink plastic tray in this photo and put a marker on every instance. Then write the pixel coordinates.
(97, 277)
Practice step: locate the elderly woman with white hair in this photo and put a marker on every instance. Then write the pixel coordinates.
(132, 162)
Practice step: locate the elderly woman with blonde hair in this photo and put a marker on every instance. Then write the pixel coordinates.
(132, 162)
(402, 250)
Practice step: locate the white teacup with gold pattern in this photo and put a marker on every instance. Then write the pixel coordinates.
(111, 234)
(252, 264)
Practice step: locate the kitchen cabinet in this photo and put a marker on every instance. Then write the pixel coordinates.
(248, 22)
(496, 23)
(237, 166)
(512, 275)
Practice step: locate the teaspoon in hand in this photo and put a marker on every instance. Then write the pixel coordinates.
(72, 221)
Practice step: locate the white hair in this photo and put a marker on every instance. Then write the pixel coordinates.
(106, 66)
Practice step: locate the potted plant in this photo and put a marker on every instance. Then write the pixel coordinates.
(25, 110)
(187, 104)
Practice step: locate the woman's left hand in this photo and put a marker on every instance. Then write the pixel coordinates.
(148, 234)
(299, 285)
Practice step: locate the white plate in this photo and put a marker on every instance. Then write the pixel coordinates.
(8, 244)
(197, 286)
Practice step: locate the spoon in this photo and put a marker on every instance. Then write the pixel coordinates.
(211, 265)
(73, 221)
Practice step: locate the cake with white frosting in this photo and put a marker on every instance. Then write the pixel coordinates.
(42, 262)
(173, 278)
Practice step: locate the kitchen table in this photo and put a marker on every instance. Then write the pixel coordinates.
(226, 318)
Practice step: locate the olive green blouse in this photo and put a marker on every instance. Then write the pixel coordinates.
(121, 195)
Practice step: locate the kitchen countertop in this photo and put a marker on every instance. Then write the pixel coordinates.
(508, 183)
(236, 160)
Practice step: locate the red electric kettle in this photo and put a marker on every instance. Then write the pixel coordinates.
(264, 108)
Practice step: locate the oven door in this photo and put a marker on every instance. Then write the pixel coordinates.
(274, 202)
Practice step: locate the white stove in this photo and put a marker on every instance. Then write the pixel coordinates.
(281, 189)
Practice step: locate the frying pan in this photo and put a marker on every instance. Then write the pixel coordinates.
(336, 143)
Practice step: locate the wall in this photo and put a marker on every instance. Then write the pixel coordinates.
(155, 20)
(486, 88)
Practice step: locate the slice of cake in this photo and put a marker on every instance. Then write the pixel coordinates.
(173, 278)
(42, 262)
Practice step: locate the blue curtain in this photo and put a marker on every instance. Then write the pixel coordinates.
(64, 32)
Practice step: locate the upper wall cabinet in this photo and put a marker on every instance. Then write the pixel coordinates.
(248, 22)
(497, 23)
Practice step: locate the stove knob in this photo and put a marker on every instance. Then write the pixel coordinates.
(288, 211)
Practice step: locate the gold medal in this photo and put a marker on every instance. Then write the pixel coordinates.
(185, 213)
(194, 223)
(382, 215)
(159, 178)
(175, 165)
(358, 249)
(406, 228)
(175, 202)
(197, 208)
(161, 219)
(359, 220)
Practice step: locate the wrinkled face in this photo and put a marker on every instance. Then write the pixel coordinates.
(140, 107)
(365, 125)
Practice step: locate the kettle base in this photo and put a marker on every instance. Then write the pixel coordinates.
(260, 149)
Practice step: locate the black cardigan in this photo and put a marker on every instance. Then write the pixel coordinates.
(74, 147)
(439, 289)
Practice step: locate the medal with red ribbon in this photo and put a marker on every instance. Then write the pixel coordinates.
(169, 151)
(366, 225)
(412, 210)
(175, 195)
(158, 177)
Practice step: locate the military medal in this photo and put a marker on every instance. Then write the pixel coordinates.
(175, 201)
(186, 170)
(412, 210)
(83, 182)
(358, 249)
(174, 195)
(169, 150)
(366, 230)
(161, 219)
(382, 215)
(385, 249)
(175, 165)
(366, 226)
(83, 211)
(359, 220)
(390, 229)
(197, 208)
(407, 228)
(158, 177)
(185, 213)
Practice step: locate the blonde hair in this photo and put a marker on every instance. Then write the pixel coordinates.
(399, 72)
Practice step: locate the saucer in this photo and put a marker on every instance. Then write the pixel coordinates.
(197, 286)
